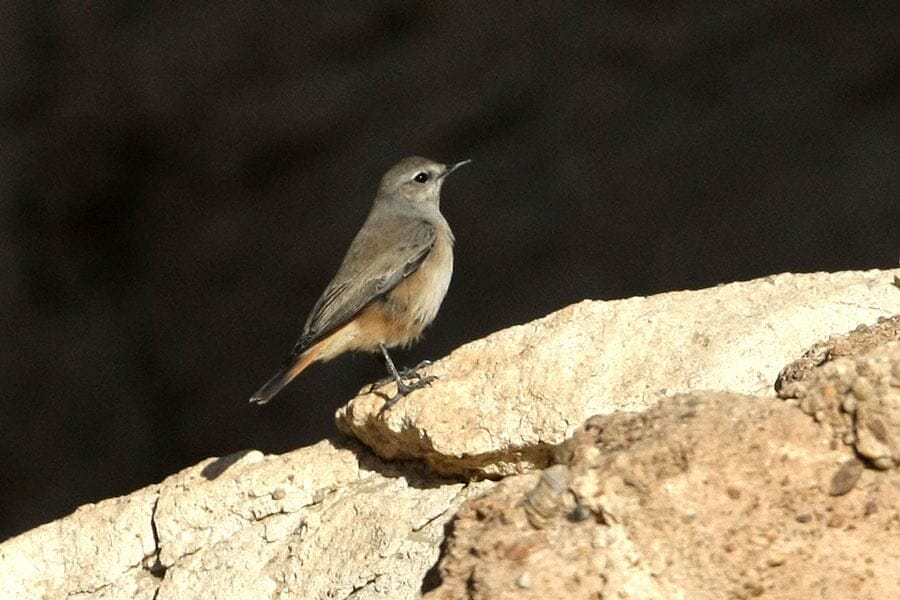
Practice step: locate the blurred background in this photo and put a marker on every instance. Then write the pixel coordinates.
(178, 185)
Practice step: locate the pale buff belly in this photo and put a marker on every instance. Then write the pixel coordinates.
(400, 317)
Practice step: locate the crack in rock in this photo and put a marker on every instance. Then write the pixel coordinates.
(155, 568)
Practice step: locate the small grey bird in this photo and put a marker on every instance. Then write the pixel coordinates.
(391, 283)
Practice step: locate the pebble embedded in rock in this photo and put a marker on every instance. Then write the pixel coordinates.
(524, 580)
(845, 477)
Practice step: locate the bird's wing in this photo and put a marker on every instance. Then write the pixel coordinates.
(377, 261)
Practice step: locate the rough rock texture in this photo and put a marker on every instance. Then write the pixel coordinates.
(850, 344)
(320, 522)
(708, 494)
(501, 403)
(856, 398)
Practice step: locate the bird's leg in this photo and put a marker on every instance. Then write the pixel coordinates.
(414, 371)
(397, 377)
(405, 373)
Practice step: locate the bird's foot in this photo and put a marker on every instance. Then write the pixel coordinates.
(403, 388)
(407, 373)
(406, 388)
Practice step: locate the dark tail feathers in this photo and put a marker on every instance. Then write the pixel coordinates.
(292, 367)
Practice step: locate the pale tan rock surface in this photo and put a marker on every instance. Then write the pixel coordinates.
(649, 517)
(857, 398)
(502, 402)
(98, 551)
(705, 496)
(319, 522)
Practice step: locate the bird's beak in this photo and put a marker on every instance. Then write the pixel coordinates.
(455, 166)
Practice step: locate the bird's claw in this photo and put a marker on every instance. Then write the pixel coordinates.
(407, 373)
(406, 388)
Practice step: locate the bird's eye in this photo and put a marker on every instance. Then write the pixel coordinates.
(421, 177)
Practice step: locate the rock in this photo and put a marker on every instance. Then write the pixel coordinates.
(549, 497)
(667, 521)
(102, 550)
(846, 477)
(709, 494)
(863, 338)
(856, 397)
(502, 403)
(322, 521)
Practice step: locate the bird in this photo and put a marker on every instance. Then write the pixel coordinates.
(390, 284)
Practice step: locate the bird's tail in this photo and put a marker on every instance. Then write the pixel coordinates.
(292, 367)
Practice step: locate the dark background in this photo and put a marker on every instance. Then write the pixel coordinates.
(177, 186)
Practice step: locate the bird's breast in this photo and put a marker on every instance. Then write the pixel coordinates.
(416, 300)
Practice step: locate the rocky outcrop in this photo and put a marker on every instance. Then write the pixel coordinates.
(502, 403)
(622, 477)
(328, 520)
(707, 495)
